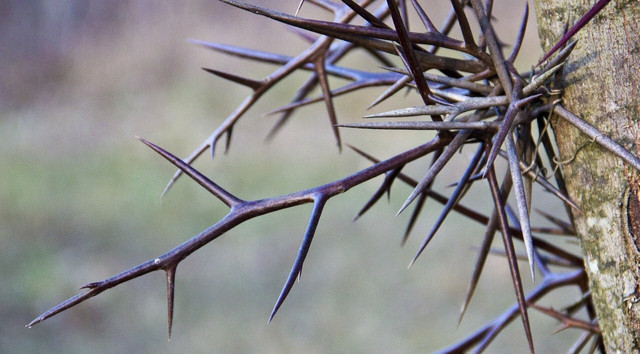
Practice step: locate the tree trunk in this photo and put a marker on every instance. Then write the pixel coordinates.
(602, 85)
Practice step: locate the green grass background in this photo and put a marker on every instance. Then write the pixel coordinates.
(80, 197)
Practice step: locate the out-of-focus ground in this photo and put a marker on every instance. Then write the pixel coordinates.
(79, 196)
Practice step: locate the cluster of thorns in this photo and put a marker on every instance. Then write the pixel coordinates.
(476, 97)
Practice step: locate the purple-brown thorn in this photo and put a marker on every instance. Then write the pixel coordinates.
(597, 7)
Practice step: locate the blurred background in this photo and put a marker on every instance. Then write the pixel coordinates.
(80, 196)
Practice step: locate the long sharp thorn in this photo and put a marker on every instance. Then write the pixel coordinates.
(327, 95)
(473, 215)
(548, 186)
(479, 265)
(390, 91)
(245, 53)
(302, 254)
(598, 137)
(575, 28)
(419, 204)
(485, 248)
(409, 55)
(186, 160)
(422, 125)
(561, 57)
(521, 201)
(511, 255)
(494, 47)
(373, 38)
(414, 111)
(414, 217)
(507, 124)
(455, 196)
(446, 155)
(253, 84)
(96, 288)
(201, 179)
(171, 278)
(520, 36)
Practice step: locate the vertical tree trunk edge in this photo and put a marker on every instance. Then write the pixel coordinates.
(602, 85)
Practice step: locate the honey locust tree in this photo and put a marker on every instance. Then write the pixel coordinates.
(473, 96)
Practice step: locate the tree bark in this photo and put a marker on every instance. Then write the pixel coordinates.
(602, 85)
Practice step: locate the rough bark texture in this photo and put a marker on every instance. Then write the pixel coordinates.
(601, 85)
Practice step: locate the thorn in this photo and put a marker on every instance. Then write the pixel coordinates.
(198, 177)
(91, 285)
(299, 7)
(253, 84)
(436, 167)
(414, 216)
(296, 269)
(521, 201)
(453, 199)
(227, 144)
(171, 277)
(397, 86)
(321, 74)
(575, 28)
